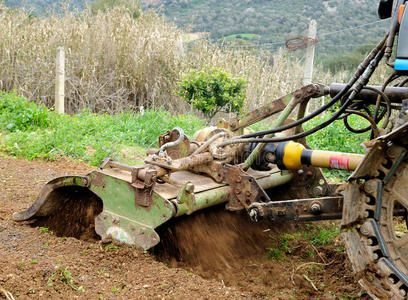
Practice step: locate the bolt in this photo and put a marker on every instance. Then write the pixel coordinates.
(154, 157)
(392, 152)
(168, 160)
(253, 214)
(315, 208)
(365, 229)
(370, 186)
(190, 188)
(85, 181)
(317, 191)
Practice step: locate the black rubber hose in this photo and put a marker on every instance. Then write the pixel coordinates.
(359, 85)
(357, 74)
(292, 137)
(302, 120)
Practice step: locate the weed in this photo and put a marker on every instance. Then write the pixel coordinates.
(20, 265)
(340, 248)
(31, 290)
(275, 253)
(116, 290)
(45, 230)
(101, 271)
(84, 252)
(284, 240)
(33, 262)
(283, 247)
(111, 246)
(314, 268)
(64, 276)
(309, 253)
(320, 235)
(63, 239)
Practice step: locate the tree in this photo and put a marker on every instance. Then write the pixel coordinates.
(105, 5)
(212, 90)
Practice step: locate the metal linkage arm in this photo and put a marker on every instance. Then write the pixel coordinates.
(301, 95)
(324, 208)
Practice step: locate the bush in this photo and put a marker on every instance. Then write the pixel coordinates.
(40, 133)
(212, 90)
(19, 114)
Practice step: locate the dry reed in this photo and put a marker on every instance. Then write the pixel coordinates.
(115, 62)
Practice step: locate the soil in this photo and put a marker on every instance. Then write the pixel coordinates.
(210, 255)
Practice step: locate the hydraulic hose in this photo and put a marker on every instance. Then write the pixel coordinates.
(360, 82)
(357, 74)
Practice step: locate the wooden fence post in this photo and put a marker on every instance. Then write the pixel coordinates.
(60, 80)
(310, 50)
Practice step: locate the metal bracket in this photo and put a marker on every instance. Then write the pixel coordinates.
(143, 189)
(186, 196)
(244, 188)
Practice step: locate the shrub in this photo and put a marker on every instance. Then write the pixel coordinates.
(212, 90)
(19, 114)
(89, 136)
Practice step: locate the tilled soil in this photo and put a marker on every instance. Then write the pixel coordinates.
(210, 255)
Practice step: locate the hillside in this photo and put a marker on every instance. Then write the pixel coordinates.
(45, 6)
(341, 25)
(268, 23)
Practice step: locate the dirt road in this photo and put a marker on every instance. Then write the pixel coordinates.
(36, 264)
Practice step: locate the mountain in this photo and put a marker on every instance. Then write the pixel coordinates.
(341, 25)
(46, 6)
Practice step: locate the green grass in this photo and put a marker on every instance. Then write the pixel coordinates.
(319, 235)
(316, 235)
(32, 131)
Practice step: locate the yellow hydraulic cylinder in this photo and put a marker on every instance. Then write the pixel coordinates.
(293, 156)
